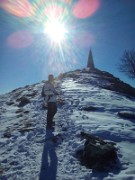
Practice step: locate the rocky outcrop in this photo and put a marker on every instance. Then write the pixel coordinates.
(23, 101)
(97, 154)
(102, 79)
(127, 114)
(113, 83)
(7, 134)
(88, 108)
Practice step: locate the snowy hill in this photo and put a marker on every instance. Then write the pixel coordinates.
(25, 151)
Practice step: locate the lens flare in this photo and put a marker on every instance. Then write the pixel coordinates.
(56, 31)
(56, 37)
(20, 8)
(57, 11)
(66, 1)
(20, 39)
(85, 8)
(84, 40)
(54, 26)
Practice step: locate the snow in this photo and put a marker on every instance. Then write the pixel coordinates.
(29, 154)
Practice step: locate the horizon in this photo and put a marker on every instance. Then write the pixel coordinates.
(57, 77)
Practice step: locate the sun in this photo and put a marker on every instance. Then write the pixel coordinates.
(56, 31)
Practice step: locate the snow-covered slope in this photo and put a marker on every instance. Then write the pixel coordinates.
(27, 153)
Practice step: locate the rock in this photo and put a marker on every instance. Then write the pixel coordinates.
(28, 124)
(88, 108)
(19, 115)
(33, 94)
(25, 129)
(10, 103)
(23, 101)
(20, 110)
(127, 114)
(14, 163)
(26, 112)
(1, 170)
(7, 134)
(97, 154)
(60, 102)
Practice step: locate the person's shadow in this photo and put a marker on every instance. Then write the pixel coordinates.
(49, 159)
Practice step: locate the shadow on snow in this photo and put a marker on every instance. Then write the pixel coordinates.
(49, 159)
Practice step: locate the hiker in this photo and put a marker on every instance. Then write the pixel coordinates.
(49, 93)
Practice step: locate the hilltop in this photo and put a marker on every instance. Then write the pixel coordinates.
(24, 149)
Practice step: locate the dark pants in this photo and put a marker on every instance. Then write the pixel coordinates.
(52, 109)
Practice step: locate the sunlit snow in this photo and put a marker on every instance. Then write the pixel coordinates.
(29, 155)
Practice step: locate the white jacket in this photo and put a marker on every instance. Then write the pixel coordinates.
(50, 92)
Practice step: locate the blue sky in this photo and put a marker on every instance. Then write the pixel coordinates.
(28, 55)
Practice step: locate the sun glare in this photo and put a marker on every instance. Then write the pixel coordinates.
(56, 31)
